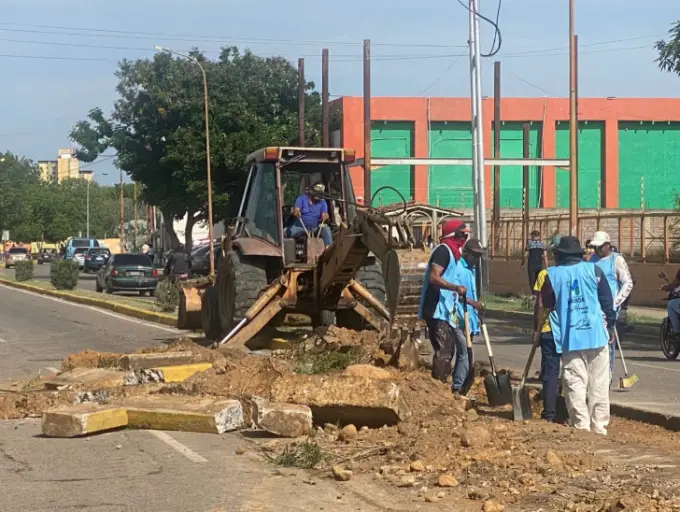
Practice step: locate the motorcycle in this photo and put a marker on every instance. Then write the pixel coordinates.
(670, 342)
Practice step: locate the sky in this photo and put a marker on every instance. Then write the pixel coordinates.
(58, 58)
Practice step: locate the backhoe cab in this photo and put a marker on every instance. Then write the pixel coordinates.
(264, 274)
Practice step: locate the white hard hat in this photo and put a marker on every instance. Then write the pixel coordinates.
(600, 238)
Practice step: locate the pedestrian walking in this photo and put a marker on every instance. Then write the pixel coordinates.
(583, 323)
(618, 276)
(535, 257)
(438, 299)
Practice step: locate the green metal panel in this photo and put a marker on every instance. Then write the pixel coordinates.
(649, 155)
(391, 140)
(590, 152)
(450, 186)
(512, 146)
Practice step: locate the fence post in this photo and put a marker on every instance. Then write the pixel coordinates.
(620, 236)
(666, 245)
(643, 242)
(507, 241)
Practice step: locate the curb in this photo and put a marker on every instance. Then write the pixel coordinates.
(140, 314)
(645, 330)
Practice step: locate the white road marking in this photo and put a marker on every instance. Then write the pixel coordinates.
(3, 341)
(656, 367)
(176, 445)
(102, 311)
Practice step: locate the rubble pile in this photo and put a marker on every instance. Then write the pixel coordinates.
(326, 404)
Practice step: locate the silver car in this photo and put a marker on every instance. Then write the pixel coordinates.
(79, 256)
(16, 254)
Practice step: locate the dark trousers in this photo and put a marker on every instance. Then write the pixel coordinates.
(550, 375)
(442, 339)
(533, 275)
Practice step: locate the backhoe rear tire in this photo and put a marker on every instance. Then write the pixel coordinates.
(210, 314)
(371, 277)
(240, 280)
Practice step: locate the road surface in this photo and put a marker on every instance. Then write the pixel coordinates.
(128, 471)
(85, 281)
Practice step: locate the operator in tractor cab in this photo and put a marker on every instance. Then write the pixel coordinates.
(179, 264)
(311, 212)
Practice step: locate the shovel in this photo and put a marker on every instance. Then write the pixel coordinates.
(498, 388)
(469, 380)
(521, 405)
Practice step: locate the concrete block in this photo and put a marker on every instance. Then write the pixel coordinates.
(80, 420)
(285, 420)
(89, 378)
(188, 414)
(178, 373)
(344, 399)
(154, 360)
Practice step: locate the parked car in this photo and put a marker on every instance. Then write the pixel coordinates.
(78, 243)
(47, 256)
(95, 259)
(79, 256)
(128, 273)
(200, 265)
(16, 254)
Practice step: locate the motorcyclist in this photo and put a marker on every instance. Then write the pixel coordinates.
(673, 306)
(179, 264)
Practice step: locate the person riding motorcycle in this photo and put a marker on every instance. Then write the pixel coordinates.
(179, 264)
(673, 307)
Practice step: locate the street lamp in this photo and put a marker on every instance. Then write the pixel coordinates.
(211, 255)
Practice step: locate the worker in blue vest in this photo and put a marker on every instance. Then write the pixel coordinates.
(618, 276)
(439, 295)
(466, 274)
(584, 319)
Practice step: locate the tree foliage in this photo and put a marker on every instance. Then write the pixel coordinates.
(669, 51)
(157, 126)
(32, 210)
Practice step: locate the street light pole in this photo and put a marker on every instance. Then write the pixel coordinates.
(122, 215)
(87, 222)
(211, 255)
(573, 129)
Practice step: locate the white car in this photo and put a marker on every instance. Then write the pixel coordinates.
(79, 256)
(16, 254)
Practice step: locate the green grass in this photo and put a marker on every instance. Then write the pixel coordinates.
(117, 299)
(304, 455)
(635, 319)
(327, 362)
(520, 304)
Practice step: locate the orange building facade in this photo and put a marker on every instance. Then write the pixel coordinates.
(624, 144)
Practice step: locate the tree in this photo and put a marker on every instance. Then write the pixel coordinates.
(17, 176)
(669, 51)
(157, 127)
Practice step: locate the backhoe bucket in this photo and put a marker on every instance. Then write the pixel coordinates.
(189, 310)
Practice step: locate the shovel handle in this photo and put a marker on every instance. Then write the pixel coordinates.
(618, 345)
(534, 346)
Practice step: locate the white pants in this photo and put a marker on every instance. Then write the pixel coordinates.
(586, 381)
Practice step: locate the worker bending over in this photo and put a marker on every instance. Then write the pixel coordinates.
(438, 299)
(618, 276)
(579, 294)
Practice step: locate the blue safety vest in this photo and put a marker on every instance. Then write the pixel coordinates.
(579, 321)
(447, 299)
(466, 276)
(609, 271)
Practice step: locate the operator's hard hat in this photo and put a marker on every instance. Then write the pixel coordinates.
(318, 187)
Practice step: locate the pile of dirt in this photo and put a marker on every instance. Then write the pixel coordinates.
(90, 359)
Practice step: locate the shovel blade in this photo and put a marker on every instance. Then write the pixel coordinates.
(504, 388)
(521, 405)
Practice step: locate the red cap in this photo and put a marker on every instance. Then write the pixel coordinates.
(454, 226)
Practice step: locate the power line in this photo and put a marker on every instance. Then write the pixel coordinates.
(453, 63)
(124, 34)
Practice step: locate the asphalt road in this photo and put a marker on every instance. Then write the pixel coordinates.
(85, 281)
(659, 379)
(38, 331)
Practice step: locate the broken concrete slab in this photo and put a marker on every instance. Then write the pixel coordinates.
(80, 420)
(132, 362)
(344, 399)
(168, 374)
(284, 420)
(188, 414)
(88, 378)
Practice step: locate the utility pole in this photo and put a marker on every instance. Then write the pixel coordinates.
(478, 141)
(134, 205)
(325, 133)
(122, 215)
(573, 129)
(496, 212)
(301, 102)
(367, 122)
(87, 223)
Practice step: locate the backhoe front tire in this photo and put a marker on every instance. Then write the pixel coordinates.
(371, 277)
(240, 280)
